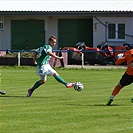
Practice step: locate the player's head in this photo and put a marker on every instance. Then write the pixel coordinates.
(127, 46)
(52, 41)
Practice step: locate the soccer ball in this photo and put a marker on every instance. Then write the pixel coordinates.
(78, 86)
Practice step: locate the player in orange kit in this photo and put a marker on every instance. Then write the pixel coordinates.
(127, 77)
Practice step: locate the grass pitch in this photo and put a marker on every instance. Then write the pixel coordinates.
(55, 109)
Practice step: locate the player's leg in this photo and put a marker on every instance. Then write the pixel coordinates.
(132, 97)
(114, 93)
(43, 76)
(36, 85)
(124, 81)
(59, 78)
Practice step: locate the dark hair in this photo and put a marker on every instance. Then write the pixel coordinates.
(128, 46)
(51, 38)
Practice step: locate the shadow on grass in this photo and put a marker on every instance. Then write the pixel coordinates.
(93, 105)
(5, 96)
(45, 97)
(22, 96)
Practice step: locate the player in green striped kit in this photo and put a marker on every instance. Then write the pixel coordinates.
(43, 68)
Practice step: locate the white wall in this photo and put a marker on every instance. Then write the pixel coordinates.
(51, 28)
(5, 35)
(99, 30)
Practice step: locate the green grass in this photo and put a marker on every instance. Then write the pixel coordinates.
(55, 109)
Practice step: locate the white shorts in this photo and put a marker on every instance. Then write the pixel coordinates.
(45, 70)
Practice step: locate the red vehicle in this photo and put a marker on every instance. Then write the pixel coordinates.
(102, 55)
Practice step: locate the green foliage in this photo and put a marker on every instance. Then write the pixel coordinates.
(55, 109)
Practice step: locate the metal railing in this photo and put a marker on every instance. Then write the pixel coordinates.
(7, 51)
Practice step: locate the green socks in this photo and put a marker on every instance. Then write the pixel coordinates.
(59, 79)
(36, 85)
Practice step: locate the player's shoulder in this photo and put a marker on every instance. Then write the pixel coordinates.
(40, 48)
(129, 51)
(48, 46)
(45, 46)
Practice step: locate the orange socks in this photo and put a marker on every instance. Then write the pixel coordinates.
(116, 90)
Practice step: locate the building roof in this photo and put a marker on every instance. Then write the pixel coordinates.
(63, 5)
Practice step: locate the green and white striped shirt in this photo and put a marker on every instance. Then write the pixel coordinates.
(44, 57)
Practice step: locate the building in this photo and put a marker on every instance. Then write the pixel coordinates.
(28, 24)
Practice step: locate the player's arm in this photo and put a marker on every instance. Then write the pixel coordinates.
(55, 56)
(34, 57)
(121, 60)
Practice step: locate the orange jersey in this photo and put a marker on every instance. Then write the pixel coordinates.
(128, 58)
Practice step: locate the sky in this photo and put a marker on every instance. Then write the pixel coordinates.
(63, 5)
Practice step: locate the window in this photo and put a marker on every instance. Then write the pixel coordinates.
(115, 32)
(1, 23)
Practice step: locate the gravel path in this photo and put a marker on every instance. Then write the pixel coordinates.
(96, 66)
